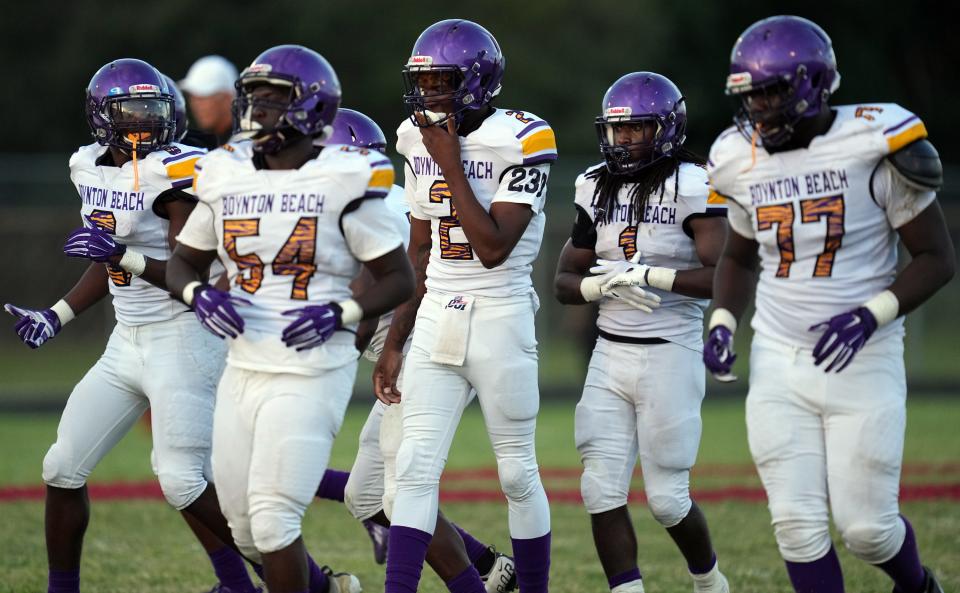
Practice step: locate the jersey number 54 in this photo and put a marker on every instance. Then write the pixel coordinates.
(295, 258)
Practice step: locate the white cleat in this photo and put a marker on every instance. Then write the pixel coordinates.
(342, 582)
(502, 577)
(711, 582)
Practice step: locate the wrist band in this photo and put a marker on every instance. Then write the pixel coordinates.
(590, 289)
(723, 317)
(885, 307)
(63, 311)
(187, 295)
(350, 312)
(133, 262)
(662, 278)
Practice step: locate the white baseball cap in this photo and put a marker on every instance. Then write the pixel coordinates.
(208, 76)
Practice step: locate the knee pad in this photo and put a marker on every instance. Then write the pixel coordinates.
(667, 509)
(59, 470)
(517, 479)
(599, 491)
(802, 540)
(274, 527)
(182, 486)
(874, 542)
(362, 502)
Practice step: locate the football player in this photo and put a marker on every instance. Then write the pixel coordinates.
(374, 470)
(475, 181)
(645, 212)
(824, 194)
(292, 223)
(134, 185)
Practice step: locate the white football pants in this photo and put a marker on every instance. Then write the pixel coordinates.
(829, 442)
(171, 367)
(501, 365)
(272, 437)
(640, 399)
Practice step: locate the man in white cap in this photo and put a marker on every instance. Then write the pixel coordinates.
(209, 86)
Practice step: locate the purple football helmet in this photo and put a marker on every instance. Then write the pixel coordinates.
(128, 103)
(179, 109)
(636, 98)
(356, 129)
(469, 53)
(314, 96)
(783, 68)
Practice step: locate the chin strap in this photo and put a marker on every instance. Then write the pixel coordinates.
(134, 138)
(753, 147)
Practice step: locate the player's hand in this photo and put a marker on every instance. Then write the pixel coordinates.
(217, 312)
(596, 287)
(845, 335)
(95, 244)
(385, 375)
(313, 326)
(34, 327)
(441, 142)
(718, 354)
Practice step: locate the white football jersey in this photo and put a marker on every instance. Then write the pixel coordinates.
(123, 202)
(507, 159)
(397, 204)
(290, 239)
(663, 236)
(825, 217)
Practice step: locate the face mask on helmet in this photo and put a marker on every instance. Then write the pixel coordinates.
(770, 110)
(261, 112)
(631, 143)
(146, 123)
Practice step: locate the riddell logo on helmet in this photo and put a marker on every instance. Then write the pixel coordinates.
(618, 112)
(259, 68)
(420, 61)
(143, 88)
(739, 81)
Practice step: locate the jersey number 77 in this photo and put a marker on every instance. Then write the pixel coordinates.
(811, 210)
(295, 258)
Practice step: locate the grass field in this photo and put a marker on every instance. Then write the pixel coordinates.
(142, 545)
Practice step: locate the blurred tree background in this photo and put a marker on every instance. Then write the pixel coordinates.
(561, 57)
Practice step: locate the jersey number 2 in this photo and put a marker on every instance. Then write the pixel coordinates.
(107, 222)
(439, 192)
(295, 258)
(812, 210)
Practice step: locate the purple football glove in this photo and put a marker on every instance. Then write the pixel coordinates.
(718, 355)
(844, 334)
(313, 326)
(216, 312)
(93, 243)
(34, 327)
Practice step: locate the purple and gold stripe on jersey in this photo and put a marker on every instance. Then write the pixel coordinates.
(381, 178)
(905, 132)
(181, 168)
(716, 203)
(538, 143)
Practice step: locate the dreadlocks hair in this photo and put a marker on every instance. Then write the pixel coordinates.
(646, 182)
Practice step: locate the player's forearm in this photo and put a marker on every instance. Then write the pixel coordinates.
(89, 290)
(566, 287)
(405, 315)
(388, 292)
(488, 240)
(733, 284)
(180, 272)
(922, 278)
(697, 283)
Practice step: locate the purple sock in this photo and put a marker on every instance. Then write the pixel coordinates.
(475, 548)
(904, 568)
(702, 569)
(625, 577)
(318, 580)
(230, 570)
(467, 581)
(333, 484)
(406, 551)
(63, 581)
(819, 576)
(532, 557)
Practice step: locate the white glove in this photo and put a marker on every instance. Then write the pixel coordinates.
(637, 274)
(593, 288)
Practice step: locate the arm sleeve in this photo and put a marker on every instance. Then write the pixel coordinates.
(901, 200)
(369, 229)
(584, 232)
(199, 231)
(524, 185)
